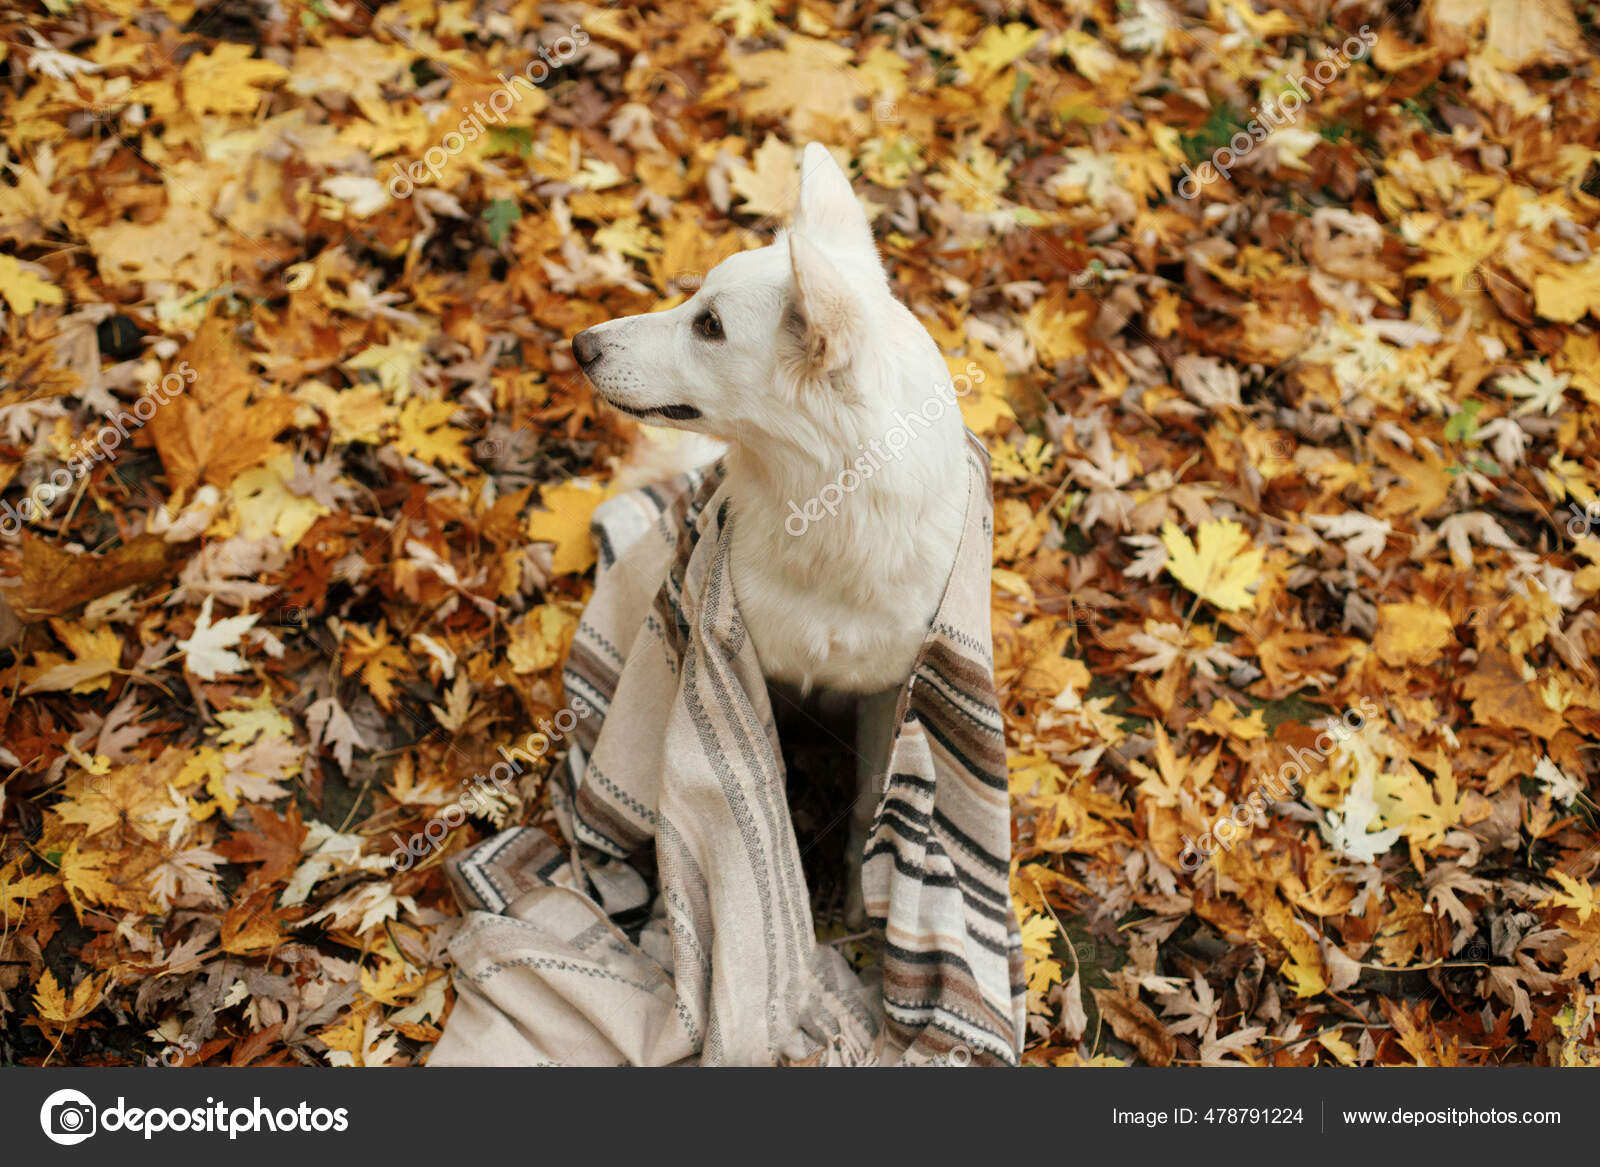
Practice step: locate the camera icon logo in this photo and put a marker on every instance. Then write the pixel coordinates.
(67, 1117)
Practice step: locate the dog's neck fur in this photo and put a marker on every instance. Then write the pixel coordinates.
(845, 603)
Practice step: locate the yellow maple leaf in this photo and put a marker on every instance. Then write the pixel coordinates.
(266, 505)
(83, 876)
(1035, 773)
(251, 719)
(1037, 934)
(23, 290)
(395, 365)
(1413, 633)
(1306, 979)
(96, 653)
(1224, 721)
(1220, 566)
(349, 1035)
(378, 660)
(539, 640)
(769, 186)
(1583, 954)
(998, 47)
(1567, 292)
(688, 251)
(1038, 950)
(1455, 251)
(810, 81)
(1577, 896)
(224, 80)
(1581, 357)
(748, 17)
(1088, 54)
(1424, 810)
(357, 414)
(52, 1004)
(1339, 1048)
(1303, 969)
(389, 984)
(1165, 787)
(982, 397)
(125, 796)
(569, 507)
(1029, 460)
(1057, 334)
(17, 889)
(206, 765)
(424, 434)
(628, 237)
(975, 177)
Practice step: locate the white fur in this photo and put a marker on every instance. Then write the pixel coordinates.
(817, 360)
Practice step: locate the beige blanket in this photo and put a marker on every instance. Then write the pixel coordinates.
(569, 956)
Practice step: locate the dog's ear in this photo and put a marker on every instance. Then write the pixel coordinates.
(833, 318)
(828, 209)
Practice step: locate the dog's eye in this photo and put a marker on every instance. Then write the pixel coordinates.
(709, 325)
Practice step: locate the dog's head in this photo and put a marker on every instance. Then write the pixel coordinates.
(764, 329)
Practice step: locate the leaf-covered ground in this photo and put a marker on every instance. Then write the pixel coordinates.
(1287, 320)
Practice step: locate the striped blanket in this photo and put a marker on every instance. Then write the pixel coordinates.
(589, 953)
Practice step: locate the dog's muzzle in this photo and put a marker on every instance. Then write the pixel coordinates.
(586, 348)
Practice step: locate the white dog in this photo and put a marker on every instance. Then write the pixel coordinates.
(798, 355)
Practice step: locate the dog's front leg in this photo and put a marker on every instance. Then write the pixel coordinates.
(874, 736)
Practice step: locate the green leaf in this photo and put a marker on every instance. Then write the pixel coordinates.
(500, 215)
(1018, 89)
(510, 140)
(1462, 426)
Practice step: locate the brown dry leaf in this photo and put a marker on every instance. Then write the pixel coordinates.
(1501, 697)
(1136, 1024)
(251, 927)
(55, 581)
(225, 422)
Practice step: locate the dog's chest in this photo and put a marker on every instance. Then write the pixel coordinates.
(810, 641)
(848, 614)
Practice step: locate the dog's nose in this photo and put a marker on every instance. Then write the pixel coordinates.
(585, 347)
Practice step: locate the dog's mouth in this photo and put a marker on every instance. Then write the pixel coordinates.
(670, 412)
